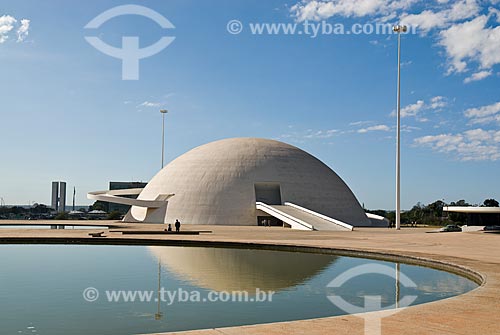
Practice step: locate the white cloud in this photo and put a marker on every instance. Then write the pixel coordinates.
(471, 145)
(321, 133)
(6, 25)
(415, 110)
(471, 41)
(320, 10)
(466, 37)
(478, 135)
(381, 127)
(309, 134)
(484, 114)
(156, 102)
(315, 10)
(426, 20)
(23, 30)
(447, 14)
(360, 123)
(438, 102)
(409, 129)
(478, 76)
(464, 9)
(150, 104)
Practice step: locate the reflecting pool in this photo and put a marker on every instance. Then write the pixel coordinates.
(48, 226)
(74, 289)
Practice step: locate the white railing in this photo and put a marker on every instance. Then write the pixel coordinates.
(294, 222)
(324, 217)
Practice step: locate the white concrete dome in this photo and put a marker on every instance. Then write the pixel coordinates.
(218, 184)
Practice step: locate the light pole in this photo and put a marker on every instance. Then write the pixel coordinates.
(398, 289)
(398, 29)
(159, 314)
(163, 112)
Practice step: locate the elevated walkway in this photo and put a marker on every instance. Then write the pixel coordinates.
(155, 210)
(377, 220)
(302, 218)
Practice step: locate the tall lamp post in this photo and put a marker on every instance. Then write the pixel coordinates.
(398, 29)
(163, 112)
(159, 314)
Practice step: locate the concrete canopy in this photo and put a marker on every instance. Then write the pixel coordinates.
(216, 184)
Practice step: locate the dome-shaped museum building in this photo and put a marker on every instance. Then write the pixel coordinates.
(243, 182)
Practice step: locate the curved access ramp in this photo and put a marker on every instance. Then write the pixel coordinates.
(323, 222)
(302, 218)
(277, 212)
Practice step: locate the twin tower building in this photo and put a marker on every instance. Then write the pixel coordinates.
(58, 202)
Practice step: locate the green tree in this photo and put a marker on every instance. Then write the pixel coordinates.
(61, 216)
(99, 206)
(459, 217)
(391, 216)
(17, 210)
(114, 215)
(40, 209)
(436, 208)
(416, 214)
(490, 203)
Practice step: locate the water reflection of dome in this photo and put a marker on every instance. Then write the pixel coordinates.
(224, 269)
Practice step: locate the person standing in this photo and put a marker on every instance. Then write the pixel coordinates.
(177, 225)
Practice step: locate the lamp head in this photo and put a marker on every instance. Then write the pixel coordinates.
(400, 28)
(164, 111)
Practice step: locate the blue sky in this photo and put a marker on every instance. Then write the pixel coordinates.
(66, 114)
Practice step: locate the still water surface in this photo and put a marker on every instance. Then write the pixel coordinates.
(41, 287)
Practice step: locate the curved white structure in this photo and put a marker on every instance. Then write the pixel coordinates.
(220, 183)
(156, 210)
(471, 210)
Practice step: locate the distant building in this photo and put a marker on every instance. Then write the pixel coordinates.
(477, 216)
(123, 185)
(58, 202)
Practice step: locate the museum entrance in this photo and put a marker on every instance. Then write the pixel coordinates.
(268, 193)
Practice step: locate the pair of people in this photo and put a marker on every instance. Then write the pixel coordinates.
(266, 223)
(177, 226)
